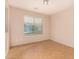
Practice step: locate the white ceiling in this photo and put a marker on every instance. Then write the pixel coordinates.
(53, 6)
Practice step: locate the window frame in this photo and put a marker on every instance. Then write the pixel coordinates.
(41, 24)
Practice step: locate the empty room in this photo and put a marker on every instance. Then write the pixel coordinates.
(39, 29)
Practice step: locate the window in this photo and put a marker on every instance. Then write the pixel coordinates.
(32, 25)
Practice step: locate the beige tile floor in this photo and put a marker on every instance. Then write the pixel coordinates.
(41, 50)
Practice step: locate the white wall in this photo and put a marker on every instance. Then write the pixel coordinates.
(59, 28)
(6, 31)
(17, 27)
(6, 43)
(62, 27)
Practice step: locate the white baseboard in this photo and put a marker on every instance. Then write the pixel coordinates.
(64, 43)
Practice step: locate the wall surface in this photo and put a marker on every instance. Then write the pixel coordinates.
(6, 31)
(6, 43)
(17, 27)
(59, 28)
(62, 27)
